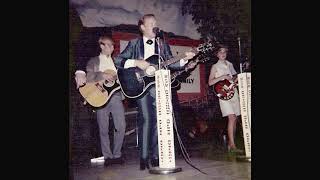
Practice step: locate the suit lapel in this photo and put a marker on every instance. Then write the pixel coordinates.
(141, 49)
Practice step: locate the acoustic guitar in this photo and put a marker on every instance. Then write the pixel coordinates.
(135, 81)
(98, 93)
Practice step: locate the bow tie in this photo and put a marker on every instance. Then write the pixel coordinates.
(149, 42)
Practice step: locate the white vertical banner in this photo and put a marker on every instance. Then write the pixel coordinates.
(244, 84)
(249, 96)
(164, 119)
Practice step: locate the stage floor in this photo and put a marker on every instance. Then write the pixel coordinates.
(219, 167)
(208, 155)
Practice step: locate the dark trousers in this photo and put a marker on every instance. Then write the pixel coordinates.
(147, 125)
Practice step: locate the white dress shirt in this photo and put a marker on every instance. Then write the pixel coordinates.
(149, 50)
(106, 63)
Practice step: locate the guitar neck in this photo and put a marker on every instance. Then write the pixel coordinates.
(175, 74)
(172, 60)
(200, 48)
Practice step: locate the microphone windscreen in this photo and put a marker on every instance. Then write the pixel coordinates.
(156, 30)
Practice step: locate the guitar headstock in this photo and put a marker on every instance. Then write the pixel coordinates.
(202, 58)
(199, 59)
(205, 47)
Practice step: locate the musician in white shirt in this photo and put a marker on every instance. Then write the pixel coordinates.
(102, 68)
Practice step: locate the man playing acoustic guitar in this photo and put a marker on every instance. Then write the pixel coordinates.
(102, 68)
(134, 55)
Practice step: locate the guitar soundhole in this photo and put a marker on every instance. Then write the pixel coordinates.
(109, 84)
(150, 71)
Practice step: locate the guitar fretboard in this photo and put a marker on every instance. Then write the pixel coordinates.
(172, 60)
(200, 48)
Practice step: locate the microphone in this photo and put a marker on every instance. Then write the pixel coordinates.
(158, 32)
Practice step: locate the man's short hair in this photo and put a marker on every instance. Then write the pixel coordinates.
(141, 20)
(105, 37)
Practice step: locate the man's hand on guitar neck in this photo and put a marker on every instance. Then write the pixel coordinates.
(142, 64)
(191, 65)
(189, 55)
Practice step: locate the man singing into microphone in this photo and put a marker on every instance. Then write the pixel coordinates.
(134, 55)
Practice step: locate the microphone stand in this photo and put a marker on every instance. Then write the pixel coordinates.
(159, 36)
(159, 56)
(239, 44)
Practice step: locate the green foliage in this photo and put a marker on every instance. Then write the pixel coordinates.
(221, 19)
